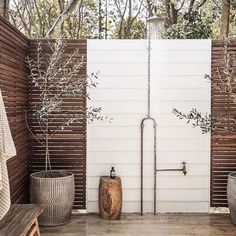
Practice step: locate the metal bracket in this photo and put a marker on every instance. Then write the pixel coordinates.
(183, 169)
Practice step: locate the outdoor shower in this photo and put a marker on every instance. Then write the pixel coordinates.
(155, 30)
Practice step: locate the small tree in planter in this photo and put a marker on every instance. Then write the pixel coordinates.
(222, 123)
(56, 79)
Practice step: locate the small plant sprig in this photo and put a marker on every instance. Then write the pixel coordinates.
(206, 122)
(197, 119)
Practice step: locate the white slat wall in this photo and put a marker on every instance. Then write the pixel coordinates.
(178, 68)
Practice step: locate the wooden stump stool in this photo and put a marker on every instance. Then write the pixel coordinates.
(110, 198)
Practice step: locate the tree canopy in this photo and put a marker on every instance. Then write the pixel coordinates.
(122, 19)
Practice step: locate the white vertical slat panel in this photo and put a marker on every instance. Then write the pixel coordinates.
(178, 68)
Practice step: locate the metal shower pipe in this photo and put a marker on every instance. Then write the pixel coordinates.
(148, 117)
(142, 126)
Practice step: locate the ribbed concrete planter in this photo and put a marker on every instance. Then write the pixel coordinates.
(56, 193)
(231, 195)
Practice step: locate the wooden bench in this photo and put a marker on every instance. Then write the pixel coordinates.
(21, 220)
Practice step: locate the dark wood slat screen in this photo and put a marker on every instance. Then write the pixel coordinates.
(68, 146)
(14, 47)
(223, 143)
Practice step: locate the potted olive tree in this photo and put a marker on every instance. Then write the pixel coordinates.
(226, 84)
(56, 78)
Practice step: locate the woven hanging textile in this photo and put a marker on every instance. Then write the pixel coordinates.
(7, 150)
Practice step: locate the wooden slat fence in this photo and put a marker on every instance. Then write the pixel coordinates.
(68, 146)
(223, 142)
(14, 47)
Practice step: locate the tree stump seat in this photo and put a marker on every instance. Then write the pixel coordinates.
(110, 198)
(21, 220)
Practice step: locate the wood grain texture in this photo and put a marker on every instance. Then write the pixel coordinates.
(14, 48)
(110, 198)
(20, 219)
(223, 148)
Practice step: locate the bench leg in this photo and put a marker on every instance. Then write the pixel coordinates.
(37, 232)
(34, 230)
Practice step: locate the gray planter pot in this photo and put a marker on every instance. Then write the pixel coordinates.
(231, 195)
(55, 193)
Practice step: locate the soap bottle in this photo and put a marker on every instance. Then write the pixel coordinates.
(112, 173)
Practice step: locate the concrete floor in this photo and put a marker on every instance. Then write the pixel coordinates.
(134, 224)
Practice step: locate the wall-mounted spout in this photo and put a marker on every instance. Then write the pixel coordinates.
(183, 169)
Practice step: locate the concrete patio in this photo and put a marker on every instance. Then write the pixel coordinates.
(134, 224)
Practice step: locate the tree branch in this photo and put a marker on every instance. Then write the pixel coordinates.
(64, 15)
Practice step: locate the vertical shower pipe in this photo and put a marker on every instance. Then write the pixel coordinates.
(155, 25)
